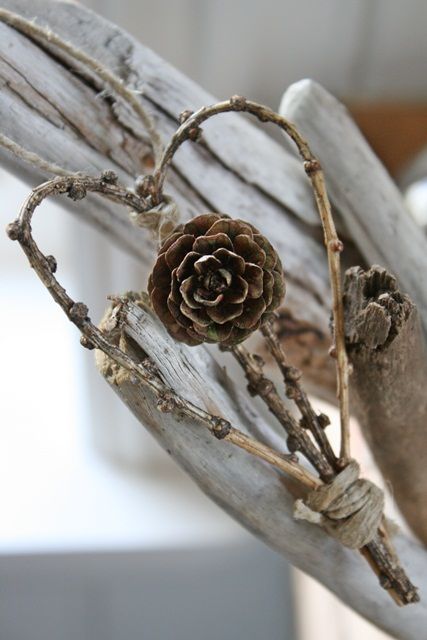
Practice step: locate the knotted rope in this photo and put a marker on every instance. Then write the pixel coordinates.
(161, 219)
(348, 508)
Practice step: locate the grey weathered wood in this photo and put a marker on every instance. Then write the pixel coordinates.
(251, 491)
(391, 407)
(49, 107)
(388, 354)
(365, 196)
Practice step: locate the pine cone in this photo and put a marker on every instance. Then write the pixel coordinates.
(215, 280)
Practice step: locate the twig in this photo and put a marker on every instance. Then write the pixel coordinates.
(378, 552)
(385, 564)
(190, 129)
(92, 337)
(33, 30)
(298, 439)
(310, 420)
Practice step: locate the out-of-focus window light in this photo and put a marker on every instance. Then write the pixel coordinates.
(416, 201)
(76, 469)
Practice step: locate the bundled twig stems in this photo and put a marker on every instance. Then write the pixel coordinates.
(190, 129)
(298, 438)
(315, 423)
(378, 552)
(379, 555)
(45, 267)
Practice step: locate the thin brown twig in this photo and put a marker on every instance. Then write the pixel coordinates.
(76, 187)
(77, 312)
(310, 419)
(298, 438)
(190, 129)
(378, 552)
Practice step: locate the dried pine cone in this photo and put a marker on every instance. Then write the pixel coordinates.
(215, 280)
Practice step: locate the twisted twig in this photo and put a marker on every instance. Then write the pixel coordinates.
(294, 390)
(76, 187)
(378, 552)
(190, 129)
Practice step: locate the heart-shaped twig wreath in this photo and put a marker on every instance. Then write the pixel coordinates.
(217, 279)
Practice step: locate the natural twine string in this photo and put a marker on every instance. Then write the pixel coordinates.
(348, 508)
(159, 219)
(32, 158)
(109, 79)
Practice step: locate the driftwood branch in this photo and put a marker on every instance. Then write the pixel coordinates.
(389, 384)
(367, 535)
(366, 199)
(47, 122)
(59, 111)
(389, 379)
(235, 480)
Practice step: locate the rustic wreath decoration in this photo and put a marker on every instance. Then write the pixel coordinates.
(217, 279)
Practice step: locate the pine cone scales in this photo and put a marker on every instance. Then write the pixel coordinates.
(215, 279)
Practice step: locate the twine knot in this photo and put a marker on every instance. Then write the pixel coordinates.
(348, 508)
(161, 219)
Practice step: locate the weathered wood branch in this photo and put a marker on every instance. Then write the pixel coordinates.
(235, 480)
(366, 199)
(43, 97)
(389, 380)
(57, 109)
(389, 385)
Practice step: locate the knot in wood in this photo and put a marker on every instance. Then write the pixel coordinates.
(263, 387)
(323, 420)
(293, 444)
(195, 133)
(292, 374)
(336, 245)
(166, 402)
(311, 166)
(348, 508)
(53, 265)
(145, 186)
(184, 115)
(86, 343)
(293, 393)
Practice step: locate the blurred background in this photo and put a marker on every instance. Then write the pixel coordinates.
(102, 536)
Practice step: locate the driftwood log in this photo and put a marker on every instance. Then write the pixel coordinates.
(48, 106)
